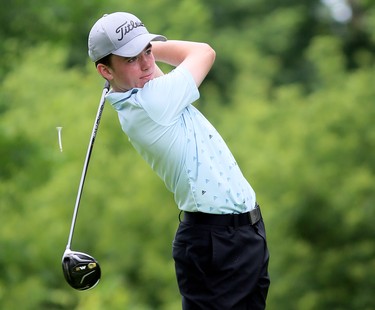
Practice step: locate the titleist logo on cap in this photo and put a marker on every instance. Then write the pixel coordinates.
(120, 33)
(126, 27)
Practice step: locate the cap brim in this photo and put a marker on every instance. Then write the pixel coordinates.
(137, 45)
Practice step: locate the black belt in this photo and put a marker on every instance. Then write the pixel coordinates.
(234, 220)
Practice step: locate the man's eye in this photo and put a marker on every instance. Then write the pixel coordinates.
(132, 59)
(148, 52)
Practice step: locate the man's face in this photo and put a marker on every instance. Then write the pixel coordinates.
(127, 73)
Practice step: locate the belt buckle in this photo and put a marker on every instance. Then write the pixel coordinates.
(254, 215)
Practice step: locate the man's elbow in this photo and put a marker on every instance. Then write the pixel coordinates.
(210, 52)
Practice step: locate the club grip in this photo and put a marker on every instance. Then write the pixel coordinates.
(106, 85)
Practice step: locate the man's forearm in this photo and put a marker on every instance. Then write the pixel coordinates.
(196, 57)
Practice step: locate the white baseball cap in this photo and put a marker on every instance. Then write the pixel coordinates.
(121, 34)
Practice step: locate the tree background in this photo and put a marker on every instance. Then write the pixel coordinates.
(292, 92)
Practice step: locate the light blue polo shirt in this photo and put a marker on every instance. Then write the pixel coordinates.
(182, 146)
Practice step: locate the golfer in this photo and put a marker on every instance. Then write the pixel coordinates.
(220, 249)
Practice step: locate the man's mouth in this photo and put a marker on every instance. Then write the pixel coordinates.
(147, 77)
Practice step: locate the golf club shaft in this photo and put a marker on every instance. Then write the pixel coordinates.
(85, 166)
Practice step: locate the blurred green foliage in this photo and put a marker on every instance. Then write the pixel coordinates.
(292, 92)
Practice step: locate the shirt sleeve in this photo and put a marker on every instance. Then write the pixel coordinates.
(165, 98)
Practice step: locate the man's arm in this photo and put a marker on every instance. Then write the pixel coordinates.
(198, 58)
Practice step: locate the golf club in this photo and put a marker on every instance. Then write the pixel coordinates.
(81, 270)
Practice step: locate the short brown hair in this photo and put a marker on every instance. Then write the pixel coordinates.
(106, 60)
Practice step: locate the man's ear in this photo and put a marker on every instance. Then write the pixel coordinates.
(105, 71)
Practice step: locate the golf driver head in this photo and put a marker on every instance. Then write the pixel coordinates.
(81, 270)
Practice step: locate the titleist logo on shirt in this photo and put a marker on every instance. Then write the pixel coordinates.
(125, 28)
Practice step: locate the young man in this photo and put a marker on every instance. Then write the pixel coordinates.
(220, 248)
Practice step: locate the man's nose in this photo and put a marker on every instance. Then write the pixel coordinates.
(145, 63)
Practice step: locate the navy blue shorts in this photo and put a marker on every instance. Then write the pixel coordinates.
(221, 267)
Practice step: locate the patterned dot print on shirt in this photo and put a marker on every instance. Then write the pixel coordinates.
(213, 171)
